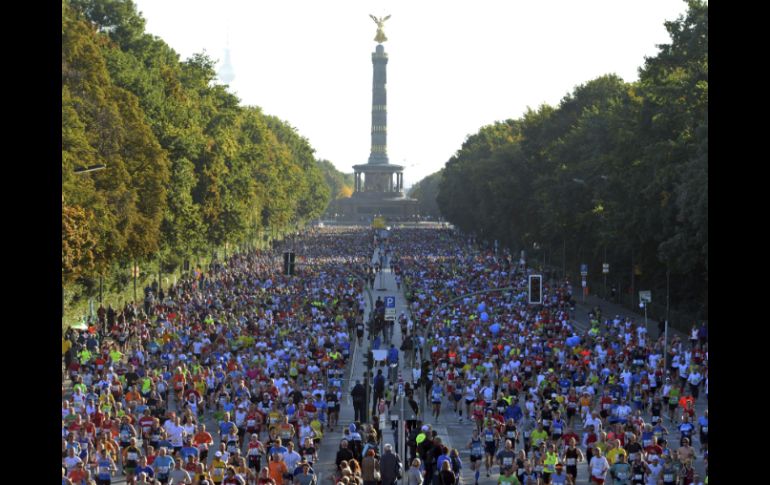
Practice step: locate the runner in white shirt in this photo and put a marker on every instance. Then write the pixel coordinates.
(599, 467)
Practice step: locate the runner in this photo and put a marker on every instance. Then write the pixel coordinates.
(477, 454)
(491, 439)
(130, 455)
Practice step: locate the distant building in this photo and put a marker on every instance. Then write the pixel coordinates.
(226, 73)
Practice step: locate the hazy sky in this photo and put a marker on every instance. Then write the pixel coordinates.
(454, 66)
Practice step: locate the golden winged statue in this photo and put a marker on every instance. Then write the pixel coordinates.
(380, 37)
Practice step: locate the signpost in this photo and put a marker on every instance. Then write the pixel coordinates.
(605, 271)
(583, 274)
(645, 297)
(390, 308)
(401, 427)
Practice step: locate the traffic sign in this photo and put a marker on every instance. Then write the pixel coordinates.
(606, 268)
(535, 289)
(584, 269)
(645, 296)
(390, 308)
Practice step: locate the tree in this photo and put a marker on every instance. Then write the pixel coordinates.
(425, 191)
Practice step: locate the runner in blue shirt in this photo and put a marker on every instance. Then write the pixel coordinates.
(437, 391)
(277, 448)
(163, 465)
(225, 426)
(144, 467)
(188, 450)
(703, 423)
(686, 429)
(105, 468)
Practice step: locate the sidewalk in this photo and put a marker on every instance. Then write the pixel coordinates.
(609, 310)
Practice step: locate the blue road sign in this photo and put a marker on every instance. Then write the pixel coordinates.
(390, 308)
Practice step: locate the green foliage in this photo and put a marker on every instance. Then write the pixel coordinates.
(616, 167)
(188, 168)
(340, 184)
(425, 191)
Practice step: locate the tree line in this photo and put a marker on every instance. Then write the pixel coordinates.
(188, 168)
(617, 173)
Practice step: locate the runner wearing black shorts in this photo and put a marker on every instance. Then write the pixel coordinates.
(491, 438)
(477, 453)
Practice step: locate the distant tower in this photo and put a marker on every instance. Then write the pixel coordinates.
(379, 151)
(226, 73)
(379, 184)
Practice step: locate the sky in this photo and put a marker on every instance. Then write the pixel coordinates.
(454, 66)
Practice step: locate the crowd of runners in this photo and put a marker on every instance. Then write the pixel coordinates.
(231, 375)
(542, 396)
(234, 375)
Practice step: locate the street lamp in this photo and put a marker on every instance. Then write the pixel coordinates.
(92, 168)
(79, 170)
(601, 215)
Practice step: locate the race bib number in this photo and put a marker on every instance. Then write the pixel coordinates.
(131, 456)
(571, 461)
(507, 461)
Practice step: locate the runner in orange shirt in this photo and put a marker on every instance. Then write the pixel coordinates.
(178, 382)
(278, 468)
(203, 440)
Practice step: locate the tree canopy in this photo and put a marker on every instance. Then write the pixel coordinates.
(616, 167)
(188, 168)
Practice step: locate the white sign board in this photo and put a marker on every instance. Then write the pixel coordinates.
(380, 355)
(645, 296)
(390, 308)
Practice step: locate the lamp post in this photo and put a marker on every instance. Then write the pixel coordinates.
(600, 210)
(78, 171)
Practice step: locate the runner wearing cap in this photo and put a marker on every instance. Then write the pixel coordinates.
(217, 468)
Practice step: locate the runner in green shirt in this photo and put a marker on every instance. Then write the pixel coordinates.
(508, 478)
